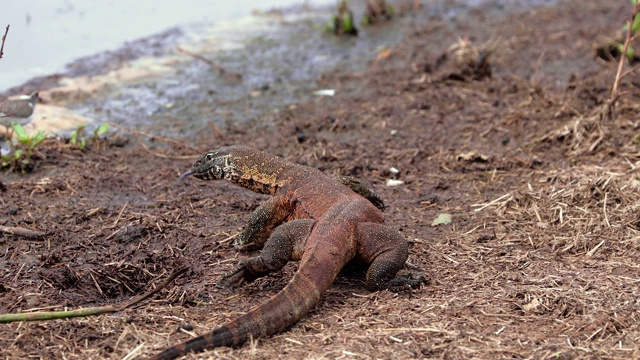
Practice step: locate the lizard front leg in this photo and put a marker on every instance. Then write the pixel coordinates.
(261, 223)
(286, 243)
(386, 250)
(361, 188)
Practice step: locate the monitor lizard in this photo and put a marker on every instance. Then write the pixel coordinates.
(316, 219)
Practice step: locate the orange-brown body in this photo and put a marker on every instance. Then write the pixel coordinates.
(311, 217)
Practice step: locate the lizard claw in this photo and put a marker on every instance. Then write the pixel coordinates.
(245, 247)
(239, 275)
(232, 279)
(406, 282)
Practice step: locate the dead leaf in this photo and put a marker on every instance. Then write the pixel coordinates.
(532, 305)
(472, 156)
(442, 219)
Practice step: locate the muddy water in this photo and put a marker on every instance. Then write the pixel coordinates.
(275, 62)
(268, 60)
(46, 35)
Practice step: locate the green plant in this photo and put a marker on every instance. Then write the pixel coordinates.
(22, 152)
(78, 138)
(630, 53)
(621, 47)
(342, 22)
(11, 158)
(635, 27)
(98, 132)
(29, 142)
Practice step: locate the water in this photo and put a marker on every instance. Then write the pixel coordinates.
(45, 35)
(121, 62)
(277, 58)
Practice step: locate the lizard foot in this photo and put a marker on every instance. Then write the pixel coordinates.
(405, 282)
(230, 280)
(245, 247)
(239, 275)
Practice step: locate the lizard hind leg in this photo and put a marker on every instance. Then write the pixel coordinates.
(285, 243)
(386, 250)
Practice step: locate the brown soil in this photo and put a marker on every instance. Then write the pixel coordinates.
(540, 260)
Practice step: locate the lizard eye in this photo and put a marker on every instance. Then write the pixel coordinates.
(209, 157)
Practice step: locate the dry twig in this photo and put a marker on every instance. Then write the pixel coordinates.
(589, 131)
(4, 38)
(154, 137)
(138, 135)
(18, 231)
(619, 74)
(220, 69)
(50, 315)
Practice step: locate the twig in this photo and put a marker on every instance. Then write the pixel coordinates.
(143, 297)
(138, 135)
(50, 315)
(115, 223)
(592, 252)
(161, 155)
(4, 37)
(154, 137)
(627, 41)
(133, 352)
(202, 58)
(604, 210)
(18, 231)
(483, 206)
(417, 329)
(632, 70)
(221, 70)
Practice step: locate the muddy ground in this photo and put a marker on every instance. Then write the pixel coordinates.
(541, 259)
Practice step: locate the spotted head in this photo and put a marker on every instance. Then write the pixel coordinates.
(214, 165)
(244, 166)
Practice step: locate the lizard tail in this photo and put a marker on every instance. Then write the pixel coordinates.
(277, 314)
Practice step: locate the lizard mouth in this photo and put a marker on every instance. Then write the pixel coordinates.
(211, 166)
(205, 171)
(202, 174)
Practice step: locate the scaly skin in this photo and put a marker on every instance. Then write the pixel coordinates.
(311, 217)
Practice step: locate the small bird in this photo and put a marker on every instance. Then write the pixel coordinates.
(18, 109)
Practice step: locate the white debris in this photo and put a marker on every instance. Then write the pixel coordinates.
(325, 92)
(394, 182)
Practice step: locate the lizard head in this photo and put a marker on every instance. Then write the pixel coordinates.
(243, 166)
(214, 165)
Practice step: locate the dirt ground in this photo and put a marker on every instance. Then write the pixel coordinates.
(540, 261)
